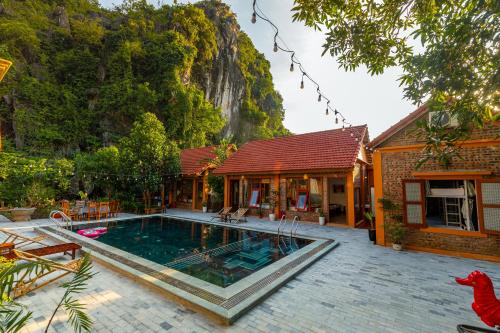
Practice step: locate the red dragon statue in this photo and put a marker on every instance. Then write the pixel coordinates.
(486, 305)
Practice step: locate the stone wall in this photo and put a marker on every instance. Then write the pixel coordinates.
(397, 166)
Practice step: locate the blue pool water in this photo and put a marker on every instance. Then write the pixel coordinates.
(219, 255)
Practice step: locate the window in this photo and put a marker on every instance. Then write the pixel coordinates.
(185, 190)
(260, 190)
(304, 194)
(489, 205)
(447, 204)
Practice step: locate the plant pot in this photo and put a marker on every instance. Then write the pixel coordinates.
(204, 209)
(397, 247)
(372, 234)
(272, 217)
(322, 220)
(21, 214)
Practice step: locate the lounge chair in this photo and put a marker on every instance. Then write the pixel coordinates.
(221, 214)
(239, 215)
(30, 280)
(19, 240)
(47, 250)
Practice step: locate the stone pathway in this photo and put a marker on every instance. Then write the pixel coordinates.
(358, 287)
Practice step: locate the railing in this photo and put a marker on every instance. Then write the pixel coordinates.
(58, 217)
(281, 227)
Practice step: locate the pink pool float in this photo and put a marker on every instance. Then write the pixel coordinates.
(93, 232)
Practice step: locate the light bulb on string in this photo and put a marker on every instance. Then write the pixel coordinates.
(336, 120)
(254, 17)
(319, 95)
(291, 67)
(275, 48)
(302, 82)
(327, 107)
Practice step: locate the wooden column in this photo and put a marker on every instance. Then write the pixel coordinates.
(205, 187)
(362, 189)
(379, 194)
(226, 191)
(173, 203)
(195, 186)
(326, 199)
(350, 199)
(276, 187)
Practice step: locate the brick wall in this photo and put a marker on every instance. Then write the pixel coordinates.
(397, 166)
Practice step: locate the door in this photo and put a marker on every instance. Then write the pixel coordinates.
(199, 194)
(234, 194)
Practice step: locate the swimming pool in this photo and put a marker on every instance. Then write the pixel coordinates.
(217, 269)
(219, 255)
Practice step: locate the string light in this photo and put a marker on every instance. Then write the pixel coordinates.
(257, 12)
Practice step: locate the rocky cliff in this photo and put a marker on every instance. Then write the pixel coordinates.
(82, 74)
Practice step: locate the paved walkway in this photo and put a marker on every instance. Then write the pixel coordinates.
(358, 287)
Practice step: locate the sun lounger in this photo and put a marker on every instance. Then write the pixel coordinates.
(49, 271)
(19, 240)
(238, 216)
(66, 248)
(222, 214)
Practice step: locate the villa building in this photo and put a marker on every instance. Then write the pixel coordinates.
(302, 175)
(191, 189)
(454, 210)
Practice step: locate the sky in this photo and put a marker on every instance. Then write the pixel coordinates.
(363, 99)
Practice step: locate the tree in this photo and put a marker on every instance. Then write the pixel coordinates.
(458, 70)
(216, 183)
(148, 155)
(99, 169)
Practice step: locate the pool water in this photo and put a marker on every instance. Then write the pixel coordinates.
(219, 255)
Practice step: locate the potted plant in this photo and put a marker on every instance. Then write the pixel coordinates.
(394, 227)
(397, 232)
(321, 217)
(273, 198)
(204, 206)
(372, 232)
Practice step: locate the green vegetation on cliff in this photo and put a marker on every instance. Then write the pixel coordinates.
(83, 75)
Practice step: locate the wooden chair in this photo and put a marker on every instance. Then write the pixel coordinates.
(29, 281)
(221, 214)
(114, 208)
(239, 215)
(103, 209)
(20, 240)
(78, 209)
(65, 207)
(92, 210)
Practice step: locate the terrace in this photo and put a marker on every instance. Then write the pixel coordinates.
(355, 286)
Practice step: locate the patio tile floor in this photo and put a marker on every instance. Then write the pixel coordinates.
(358, 287)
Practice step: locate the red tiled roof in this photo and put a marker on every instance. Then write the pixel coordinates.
(333, 149)
(398, 126)
(195, 160)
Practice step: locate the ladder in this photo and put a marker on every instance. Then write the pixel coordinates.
(281, 227)
(59, 219)
(452, 212)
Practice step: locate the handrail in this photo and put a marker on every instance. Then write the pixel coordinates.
(282, 221)
(295, 219)
(63, 218)
(296, 226)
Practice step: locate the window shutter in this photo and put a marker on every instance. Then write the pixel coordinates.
(489, 205)
(414, 203)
